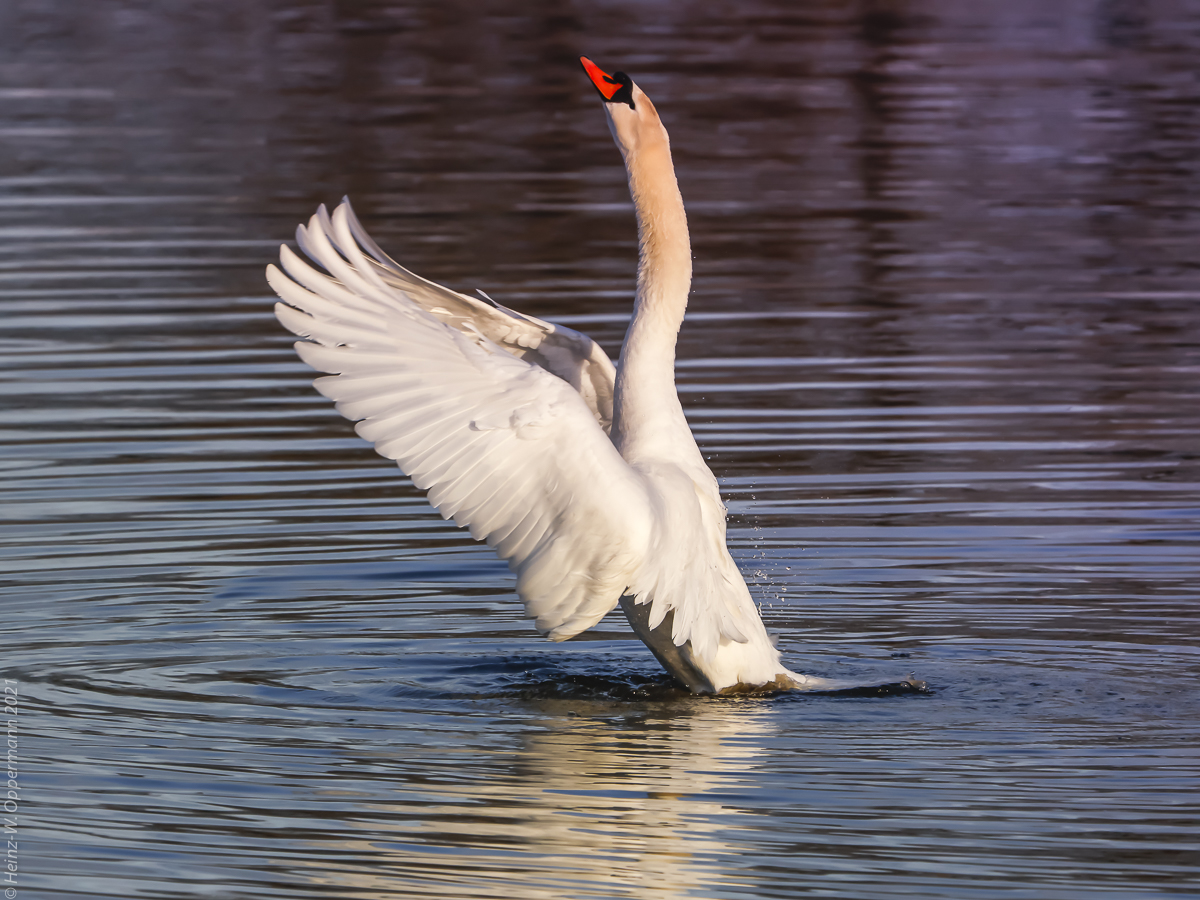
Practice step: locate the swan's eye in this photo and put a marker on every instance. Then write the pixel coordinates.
(624, 91)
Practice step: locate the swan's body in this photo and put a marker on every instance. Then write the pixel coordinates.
(585, 478)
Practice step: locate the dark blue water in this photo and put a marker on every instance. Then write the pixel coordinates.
(943, 354)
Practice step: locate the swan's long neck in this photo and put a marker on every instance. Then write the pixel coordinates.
(647, 417)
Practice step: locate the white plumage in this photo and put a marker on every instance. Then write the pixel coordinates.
(584, 477)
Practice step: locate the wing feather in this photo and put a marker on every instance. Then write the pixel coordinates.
(569, 354)
(502, 444)
(341, 305)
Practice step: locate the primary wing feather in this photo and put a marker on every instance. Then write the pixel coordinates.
(503, 445)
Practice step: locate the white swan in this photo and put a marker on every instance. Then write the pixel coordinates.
(585, 478)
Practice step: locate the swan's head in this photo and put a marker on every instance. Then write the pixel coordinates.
(632, 118)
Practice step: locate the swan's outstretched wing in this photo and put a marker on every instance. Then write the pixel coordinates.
(503, 446)
(569, 354)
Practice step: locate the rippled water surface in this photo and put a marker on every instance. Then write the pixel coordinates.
(943, 355)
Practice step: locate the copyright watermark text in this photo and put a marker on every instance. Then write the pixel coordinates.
(12, 795)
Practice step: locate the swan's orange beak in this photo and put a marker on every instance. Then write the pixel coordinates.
(605, 83)
(614, 88)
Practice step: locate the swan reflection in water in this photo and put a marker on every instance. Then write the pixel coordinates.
(589, 800)
(583, 475)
